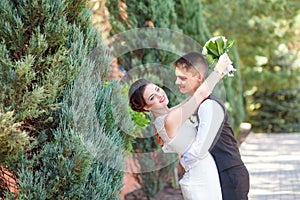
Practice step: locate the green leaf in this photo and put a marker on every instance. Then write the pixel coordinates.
(212, 48)
(229, 44)
(220, 45)
(210, 58)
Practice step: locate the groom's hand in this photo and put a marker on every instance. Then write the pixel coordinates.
(158, 139)
(182, 168)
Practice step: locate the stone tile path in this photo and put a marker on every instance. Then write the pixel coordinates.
(273, 161)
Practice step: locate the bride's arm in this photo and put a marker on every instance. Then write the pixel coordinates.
(178, 115)
(183, 102)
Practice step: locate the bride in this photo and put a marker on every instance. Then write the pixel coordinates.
(172, 127)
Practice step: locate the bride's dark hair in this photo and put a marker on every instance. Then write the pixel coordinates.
(135, 95)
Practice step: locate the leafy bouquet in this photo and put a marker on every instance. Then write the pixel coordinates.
(214, 48)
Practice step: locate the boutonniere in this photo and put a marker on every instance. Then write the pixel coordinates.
(193, 121)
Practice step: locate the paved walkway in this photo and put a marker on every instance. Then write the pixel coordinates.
(273, 161)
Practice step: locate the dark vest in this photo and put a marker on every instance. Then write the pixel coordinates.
(224, 148)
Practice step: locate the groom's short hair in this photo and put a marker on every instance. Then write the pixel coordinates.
(192, 62)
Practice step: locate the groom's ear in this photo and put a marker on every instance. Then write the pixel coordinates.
(200, 77)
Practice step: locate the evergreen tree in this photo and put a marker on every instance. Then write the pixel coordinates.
(191, 20)
(126, 16)
(148, 63)
(53, 103)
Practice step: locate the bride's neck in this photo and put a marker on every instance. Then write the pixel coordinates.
(160, 112)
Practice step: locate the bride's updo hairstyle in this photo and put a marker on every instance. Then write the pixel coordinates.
(135, 95)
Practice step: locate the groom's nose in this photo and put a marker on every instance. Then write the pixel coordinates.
(177, 81)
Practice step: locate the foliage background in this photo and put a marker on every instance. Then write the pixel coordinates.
(266, 52)
(259, 28)
(45, 45)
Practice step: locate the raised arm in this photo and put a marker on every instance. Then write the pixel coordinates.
(179, 114)
(183, 102)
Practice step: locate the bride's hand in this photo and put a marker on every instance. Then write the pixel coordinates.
(223, 63)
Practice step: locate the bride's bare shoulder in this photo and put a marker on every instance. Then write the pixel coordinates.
(171, 125)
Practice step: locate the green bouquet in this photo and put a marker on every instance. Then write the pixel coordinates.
(214, 48)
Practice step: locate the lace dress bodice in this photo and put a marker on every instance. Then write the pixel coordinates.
(182, 140)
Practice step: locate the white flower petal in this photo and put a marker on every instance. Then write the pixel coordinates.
(204, 51)
(229, 71)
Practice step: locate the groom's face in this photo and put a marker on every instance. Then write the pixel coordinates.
(187, 81)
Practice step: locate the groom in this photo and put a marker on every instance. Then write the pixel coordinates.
(234, 178)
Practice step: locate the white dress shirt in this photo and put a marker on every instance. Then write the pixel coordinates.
(211, 116)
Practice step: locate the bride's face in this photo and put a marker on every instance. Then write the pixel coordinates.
(155, 97)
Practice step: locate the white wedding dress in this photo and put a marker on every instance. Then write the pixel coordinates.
(202, 180)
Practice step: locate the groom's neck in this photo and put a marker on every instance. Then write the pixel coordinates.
(193, 91)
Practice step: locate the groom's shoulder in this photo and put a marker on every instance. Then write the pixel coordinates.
(215, 98)
(210, 101)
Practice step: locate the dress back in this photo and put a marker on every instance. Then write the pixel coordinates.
(182, 140)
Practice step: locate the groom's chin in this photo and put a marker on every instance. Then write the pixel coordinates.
(183, 91)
